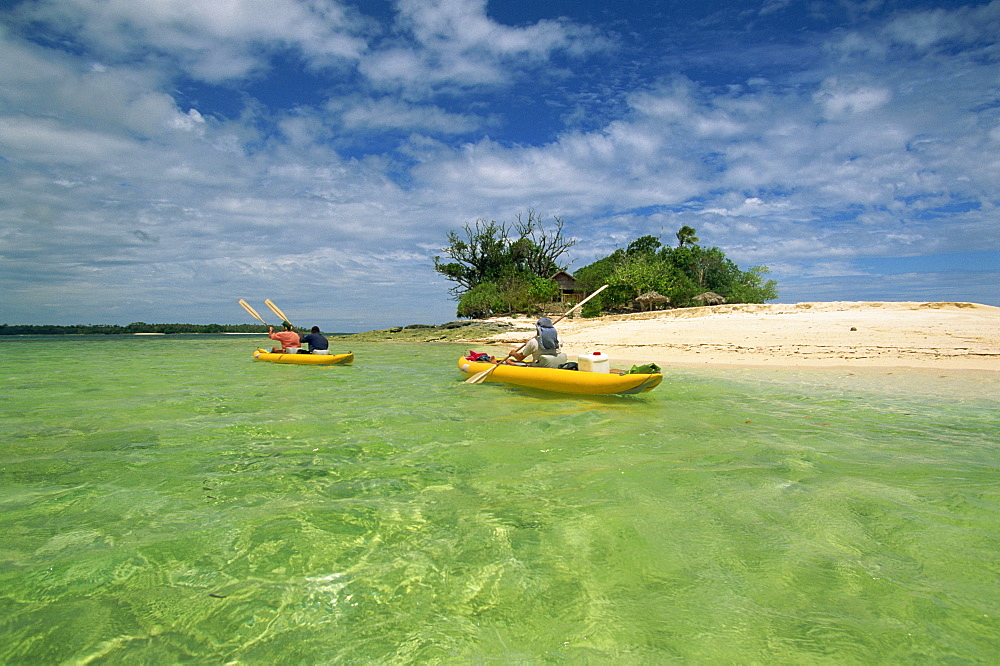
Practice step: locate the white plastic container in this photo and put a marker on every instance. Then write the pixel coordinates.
(594, 362)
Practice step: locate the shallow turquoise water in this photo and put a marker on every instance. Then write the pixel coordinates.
(168, 500)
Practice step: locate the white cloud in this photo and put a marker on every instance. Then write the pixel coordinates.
(456, 43)
(213, 41)
(925, 29)
(48, 141)
(840, 98)
(106, 177)
(386, 114)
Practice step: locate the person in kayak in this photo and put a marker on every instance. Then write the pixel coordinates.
(318, 344)
(543, 350)
(288, 338)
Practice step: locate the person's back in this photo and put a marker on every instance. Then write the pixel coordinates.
(318, 344)
(544, 349)
(288, 338)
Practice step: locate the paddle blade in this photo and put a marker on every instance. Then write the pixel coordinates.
(275, 310)
(253, 313)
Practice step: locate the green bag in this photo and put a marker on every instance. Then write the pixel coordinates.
(647, 369)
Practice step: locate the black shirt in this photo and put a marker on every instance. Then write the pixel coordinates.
(315, 341)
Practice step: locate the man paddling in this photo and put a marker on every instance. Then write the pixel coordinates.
(288, 338)
(318, 344)
(543, 349)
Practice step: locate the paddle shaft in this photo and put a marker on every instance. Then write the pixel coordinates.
(253, 313)
(275, 310)
(561, 317)
(480, 377)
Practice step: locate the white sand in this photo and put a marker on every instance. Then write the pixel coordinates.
(958, 336)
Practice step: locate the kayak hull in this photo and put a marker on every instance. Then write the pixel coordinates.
(303, 359)
(565, 381)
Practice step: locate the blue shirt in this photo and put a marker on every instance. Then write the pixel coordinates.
(315, 341)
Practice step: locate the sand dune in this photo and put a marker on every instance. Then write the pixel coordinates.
(873, 334)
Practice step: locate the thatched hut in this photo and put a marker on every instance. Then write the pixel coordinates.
(651, 298)
(710, 298)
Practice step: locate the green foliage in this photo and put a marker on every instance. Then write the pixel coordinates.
(679, 273)
(517, 293)
(540, 290)
(644, 245)
(496, 273)
(516, 260)
(481, 301)
(493, 251)
(686, 236)
(753, 288)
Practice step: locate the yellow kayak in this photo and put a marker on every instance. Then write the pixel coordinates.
(303, 359)
(565, 381)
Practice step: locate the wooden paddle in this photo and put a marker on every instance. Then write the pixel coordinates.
(275, 310)
(253, 313)
(481, 377)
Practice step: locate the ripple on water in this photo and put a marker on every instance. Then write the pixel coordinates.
(170, 500)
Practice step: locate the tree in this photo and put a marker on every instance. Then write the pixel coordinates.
(708, 268)
(686, 236)
(481, 301)
(538, 250)
(752, 288)
(516, 259)
(679, 273)
(483, 257)
(647, 245)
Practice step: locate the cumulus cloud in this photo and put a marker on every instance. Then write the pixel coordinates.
(213, 41)
(454, 42)
(117, 186)
(389, 113)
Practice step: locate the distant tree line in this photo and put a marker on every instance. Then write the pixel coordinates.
(500, 269)
(131, 329)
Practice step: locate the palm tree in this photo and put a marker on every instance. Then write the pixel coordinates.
(686, 236)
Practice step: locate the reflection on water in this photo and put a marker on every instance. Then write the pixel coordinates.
(168, 499)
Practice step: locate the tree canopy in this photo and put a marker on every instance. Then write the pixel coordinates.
(500, 268)
(503, 267)
(680, 273)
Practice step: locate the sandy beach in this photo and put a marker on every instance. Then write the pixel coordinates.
(941, 335)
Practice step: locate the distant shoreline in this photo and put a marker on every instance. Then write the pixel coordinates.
(870, 334)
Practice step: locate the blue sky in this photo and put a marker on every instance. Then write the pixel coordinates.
(161, 160)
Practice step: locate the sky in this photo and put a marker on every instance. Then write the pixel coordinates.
(161, 159)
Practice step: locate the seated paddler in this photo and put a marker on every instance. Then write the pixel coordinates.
(288, 338)
(543, 350)
(318, 344)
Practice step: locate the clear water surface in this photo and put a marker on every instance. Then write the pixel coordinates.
(166, 500)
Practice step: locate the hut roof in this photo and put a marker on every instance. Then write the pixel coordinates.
(564, 276)
(710, 298)
(652, 297)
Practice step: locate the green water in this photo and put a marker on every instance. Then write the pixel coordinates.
(168, 500)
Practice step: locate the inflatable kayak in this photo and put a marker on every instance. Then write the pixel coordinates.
(303, 359)
(565, 381)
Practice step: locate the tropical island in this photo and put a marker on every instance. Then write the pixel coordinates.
(672, 305)
(499, 268)
(684, 305)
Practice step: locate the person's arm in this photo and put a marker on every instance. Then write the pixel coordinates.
(524, 351)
